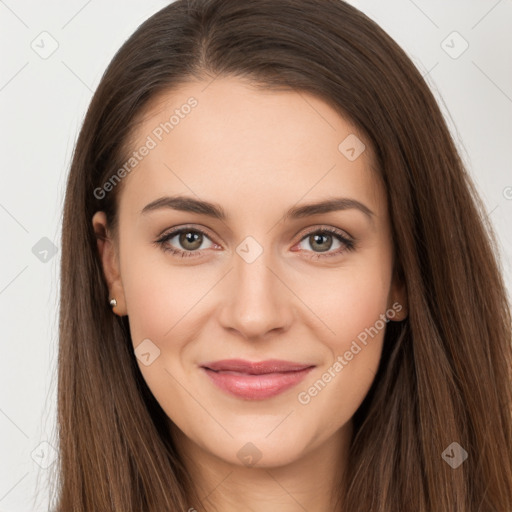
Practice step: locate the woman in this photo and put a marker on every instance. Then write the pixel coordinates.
(278, 287)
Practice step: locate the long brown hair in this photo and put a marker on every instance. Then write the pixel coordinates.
(445, 373)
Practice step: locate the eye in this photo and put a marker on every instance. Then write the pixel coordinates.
(322, 240)
(191, 239)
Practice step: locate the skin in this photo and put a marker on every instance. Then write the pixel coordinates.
(257, 154)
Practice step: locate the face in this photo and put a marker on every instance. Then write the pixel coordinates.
(267, 280)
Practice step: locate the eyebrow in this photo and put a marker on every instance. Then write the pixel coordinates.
(192, 205)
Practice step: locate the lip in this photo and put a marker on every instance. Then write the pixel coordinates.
(255, 380)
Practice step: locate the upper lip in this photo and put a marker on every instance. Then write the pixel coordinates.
(256, 367)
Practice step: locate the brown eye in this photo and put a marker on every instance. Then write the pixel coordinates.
(323, 240)
(190, 240)
(185, 242)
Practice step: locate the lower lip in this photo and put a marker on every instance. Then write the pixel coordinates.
(256, 387)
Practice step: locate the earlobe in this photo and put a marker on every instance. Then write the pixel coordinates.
(110, 263)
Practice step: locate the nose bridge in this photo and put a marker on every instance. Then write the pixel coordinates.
(253, 277)
(258, 302)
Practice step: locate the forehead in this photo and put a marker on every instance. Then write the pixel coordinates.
(237, 144)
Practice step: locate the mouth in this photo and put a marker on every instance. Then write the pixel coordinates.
(255, 380)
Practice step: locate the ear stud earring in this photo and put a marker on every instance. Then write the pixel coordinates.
(113, 302)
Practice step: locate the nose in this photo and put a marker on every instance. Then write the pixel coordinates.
(258, 300)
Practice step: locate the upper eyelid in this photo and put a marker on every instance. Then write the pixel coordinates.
(303, 233)
(177, 231)
(325, 227)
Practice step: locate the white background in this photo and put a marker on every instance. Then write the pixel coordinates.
(42, 104)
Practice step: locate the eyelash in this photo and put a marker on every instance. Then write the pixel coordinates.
(349, 245)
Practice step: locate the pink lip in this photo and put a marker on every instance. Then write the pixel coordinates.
(258, 380)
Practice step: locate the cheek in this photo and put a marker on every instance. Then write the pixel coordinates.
(357, 320)
(359, 307)
(350, 301)
(160, 303)
(152, 306)
(355, 311)
(158, 295)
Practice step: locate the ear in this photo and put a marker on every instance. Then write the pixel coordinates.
(110, 262)
(398, 299)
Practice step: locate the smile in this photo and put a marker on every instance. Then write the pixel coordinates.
(255, 381)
